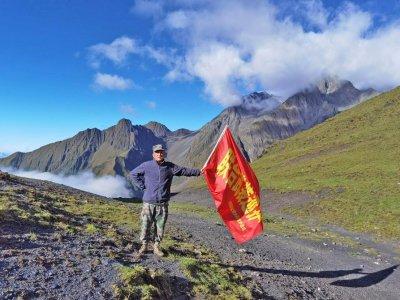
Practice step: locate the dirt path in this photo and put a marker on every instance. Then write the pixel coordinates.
(288, 267)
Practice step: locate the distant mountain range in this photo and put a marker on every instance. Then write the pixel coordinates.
(257, 122)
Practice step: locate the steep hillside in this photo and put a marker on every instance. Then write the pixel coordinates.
(351, 161)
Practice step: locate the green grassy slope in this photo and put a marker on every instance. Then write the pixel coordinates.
(353, 159)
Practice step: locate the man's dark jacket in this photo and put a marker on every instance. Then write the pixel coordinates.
(155, 180)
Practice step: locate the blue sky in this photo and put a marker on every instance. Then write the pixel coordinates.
(70, 65)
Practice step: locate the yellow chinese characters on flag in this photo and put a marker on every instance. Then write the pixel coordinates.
(234, 188)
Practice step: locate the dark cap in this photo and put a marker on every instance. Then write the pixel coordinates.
(158, 147)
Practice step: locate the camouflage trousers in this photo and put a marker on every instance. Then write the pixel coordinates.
(154, 217)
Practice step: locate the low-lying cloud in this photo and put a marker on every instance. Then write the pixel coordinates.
(108, 186)
(237, 45)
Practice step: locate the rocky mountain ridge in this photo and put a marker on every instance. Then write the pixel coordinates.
(109, 151)
(255, 131)
(257, 122)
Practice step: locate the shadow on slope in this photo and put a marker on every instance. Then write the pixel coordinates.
(368, 280)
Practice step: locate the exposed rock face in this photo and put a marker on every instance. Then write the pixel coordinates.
(255, 124)
(158, 129)
(259, 102)
(342, 94)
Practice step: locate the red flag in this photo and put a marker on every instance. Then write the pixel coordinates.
(235, 189)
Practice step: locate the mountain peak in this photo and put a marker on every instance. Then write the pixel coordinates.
(256, 96)
(124, 123)
(259, 102)
(88, 132)
(159, 130)
(182, 131)
(331, 84)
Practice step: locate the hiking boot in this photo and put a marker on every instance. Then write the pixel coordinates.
(157, 251)
(142, 250)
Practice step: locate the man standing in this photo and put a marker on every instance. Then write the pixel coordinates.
(154, 177)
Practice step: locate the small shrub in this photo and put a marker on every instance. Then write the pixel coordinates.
(142, 283)
(32, 236)
(91, 228)
(215, 281)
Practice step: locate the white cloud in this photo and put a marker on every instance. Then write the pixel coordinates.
(127, 109)
(4, 154)
(148, 8)
(177, 20)
(111, 82)
(166, 57)
(233, 45)
(169, 58)
(117, 51)
(151, 104)
(216, 65)
(108, 186)
(315, 12)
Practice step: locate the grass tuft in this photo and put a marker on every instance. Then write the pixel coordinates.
(91, 228)
(32, 236)
(142, 283)
(212, 280)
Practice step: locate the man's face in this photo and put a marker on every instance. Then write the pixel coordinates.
(158, 155)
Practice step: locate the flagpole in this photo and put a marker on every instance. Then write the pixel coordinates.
(215, 146)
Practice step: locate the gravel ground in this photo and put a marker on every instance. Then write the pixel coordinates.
(69, 267)
(54, 266)
(44, 262)
(291, 268)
